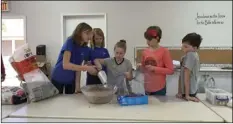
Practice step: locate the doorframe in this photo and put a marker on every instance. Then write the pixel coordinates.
(24, 21)
(63, 15)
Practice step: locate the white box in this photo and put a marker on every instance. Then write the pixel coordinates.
(218, 96)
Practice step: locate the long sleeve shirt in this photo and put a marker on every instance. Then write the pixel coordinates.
(162, 62)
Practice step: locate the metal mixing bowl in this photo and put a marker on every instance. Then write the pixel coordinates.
(98, 94)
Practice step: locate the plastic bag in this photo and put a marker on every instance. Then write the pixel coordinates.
(176, 64)
(123, 87)
(23, 61)
(205, 81)
(137, 84)
(37, 85)
(13, 95)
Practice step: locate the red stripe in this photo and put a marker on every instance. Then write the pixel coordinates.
(25, 66)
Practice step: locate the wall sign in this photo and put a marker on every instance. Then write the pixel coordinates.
(5, 5)
(210, 19)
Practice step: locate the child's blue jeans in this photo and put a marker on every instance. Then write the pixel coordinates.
(161, 92)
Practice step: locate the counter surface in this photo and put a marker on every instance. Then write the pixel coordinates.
(223, 111)
(8, 109)
(59, 120)
(159, 109)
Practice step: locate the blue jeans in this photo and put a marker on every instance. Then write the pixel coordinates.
(161, 92)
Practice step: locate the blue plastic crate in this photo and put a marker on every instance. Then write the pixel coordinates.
(135, 100)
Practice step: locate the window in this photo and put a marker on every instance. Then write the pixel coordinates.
(7, 47)
(13, 29)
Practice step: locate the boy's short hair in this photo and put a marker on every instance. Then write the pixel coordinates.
(193, 39)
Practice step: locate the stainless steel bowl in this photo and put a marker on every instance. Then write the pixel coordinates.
(98, 94)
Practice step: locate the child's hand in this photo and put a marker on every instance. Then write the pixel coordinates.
(77, 89)
(99, 68)
(194, 99)
(138, 65)
(150, 67)
(89, 63)
(179, 95)
(127, 75)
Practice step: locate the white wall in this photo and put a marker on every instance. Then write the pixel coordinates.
(71, 22)
(126, 20)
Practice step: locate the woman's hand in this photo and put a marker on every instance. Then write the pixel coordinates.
(98, 63)
(99, 68)
(92, 70)
(78, 90)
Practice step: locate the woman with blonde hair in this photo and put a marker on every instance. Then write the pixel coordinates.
(98, 51)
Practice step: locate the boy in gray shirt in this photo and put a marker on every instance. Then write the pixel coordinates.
(190, 66)
(118, 69)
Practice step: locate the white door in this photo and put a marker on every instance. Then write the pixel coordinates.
(70, 22)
